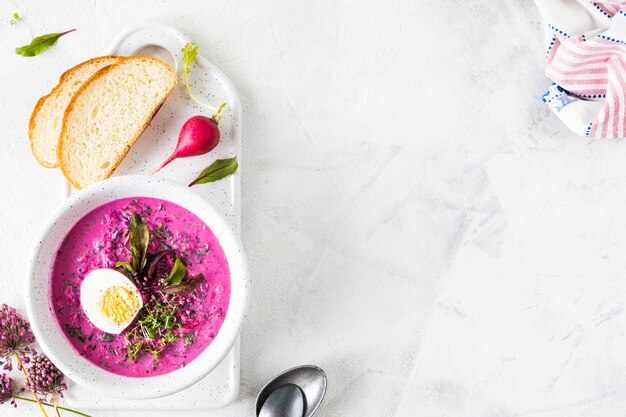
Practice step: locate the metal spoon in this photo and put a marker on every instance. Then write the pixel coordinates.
(310, 379)
(286, 401)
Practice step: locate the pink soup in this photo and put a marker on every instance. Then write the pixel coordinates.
(100, 240)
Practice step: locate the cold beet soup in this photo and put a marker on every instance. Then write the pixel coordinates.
(159, 283)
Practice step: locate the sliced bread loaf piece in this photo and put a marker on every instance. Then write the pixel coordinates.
(47, 118)
(108, 114)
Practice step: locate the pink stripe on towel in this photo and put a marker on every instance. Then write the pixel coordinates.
(587, 61)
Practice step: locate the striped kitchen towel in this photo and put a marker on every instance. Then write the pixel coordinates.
(586, 60)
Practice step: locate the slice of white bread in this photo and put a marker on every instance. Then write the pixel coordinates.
(47, 118)
(108, 114)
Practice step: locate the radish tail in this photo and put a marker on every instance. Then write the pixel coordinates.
(167, 161)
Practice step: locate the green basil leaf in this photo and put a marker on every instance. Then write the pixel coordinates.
(138, 238)
(40, 44)
(216, 171)
(177, 274)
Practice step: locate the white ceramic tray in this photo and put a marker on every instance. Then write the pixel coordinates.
(222, 386)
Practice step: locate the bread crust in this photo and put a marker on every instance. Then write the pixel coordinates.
(100, 73)
(62, 79)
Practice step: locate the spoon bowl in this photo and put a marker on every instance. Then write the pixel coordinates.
(310, 379)
(286, 401)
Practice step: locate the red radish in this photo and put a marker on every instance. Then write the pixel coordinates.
(199, 135)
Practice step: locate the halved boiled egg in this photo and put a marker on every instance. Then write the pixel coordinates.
(110, 300)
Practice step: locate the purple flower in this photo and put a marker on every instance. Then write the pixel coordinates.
(44, 378)
(6, 391)
(15, 336)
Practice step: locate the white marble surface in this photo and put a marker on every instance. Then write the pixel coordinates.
(418, 224)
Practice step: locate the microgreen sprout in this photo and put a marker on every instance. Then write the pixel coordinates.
(154, 331)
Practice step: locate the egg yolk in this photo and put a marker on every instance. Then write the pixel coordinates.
(119, 304)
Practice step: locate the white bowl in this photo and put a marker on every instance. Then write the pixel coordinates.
(53, 341)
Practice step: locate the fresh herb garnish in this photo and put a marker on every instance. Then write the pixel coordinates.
(157, 233)
(189, 339)
(190, 53)
(133, 349)
(154, 330)
(157, 325)
(40, 44)
(106, 338)
(177, 274)
(184, 287)
(16, 18)
(139, 237)
(154, 262)
(126, 266)
(76, 332)
(216, 171)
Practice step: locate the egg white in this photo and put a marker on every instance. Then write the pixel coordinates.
(91, 290)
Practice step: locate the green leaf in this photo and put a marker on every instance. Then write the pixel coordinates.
(139, 237)
(15, 19)
(40, 44)
(216, 171)
(177, 274)
(170, 337)
(184, 287)
(190, 52)
(126, 265)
